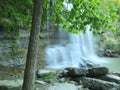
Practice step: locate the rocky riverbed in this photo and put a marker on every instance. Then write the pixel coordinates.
(94, 78)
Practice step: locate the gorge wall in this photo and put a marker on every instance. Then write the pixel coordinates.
(13, 54)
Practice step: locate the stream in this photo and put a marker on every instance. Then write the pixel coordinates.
(112, 63)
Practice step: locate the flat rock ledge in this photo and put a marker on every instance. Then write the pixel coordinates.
(11, 84)
(62, 86)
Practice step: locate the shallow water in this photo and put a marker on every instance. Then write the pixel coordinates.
(112, 63)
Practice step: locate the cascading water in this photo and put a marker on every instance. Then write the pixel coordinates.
(72, 50)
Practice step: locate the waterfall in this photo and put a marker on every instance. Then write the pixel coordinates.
(72, 50)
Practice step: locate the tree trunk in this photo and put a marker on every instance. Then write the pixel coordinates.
(29, 75)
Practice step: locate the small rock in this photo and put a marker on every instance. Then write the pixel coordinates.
(62, 80)
(62, 73)
(40, 82)
(73, 82)
(44, 72)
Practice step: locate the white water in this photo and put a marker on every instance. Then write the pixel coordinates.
(72, 50)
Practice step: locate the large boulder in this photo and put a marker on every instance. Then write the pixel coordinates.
(96, 84)
(90, 72)
(97, 71)
(76, 72)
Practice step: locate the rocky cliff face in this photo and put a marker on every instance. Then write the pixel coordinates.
(13, 54)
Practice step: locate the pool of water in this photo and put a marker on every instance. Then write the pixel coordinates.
(112, 63)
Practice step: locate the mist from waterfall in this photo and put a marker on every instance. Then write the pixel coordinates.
(72, 50)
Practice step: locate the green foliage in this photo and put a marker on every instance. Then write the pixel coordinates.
(110, 45)
(117, 5)
(14, 50)
(108, 41)
(98, 14)
(7, 25)
(49, 76)
(83, 13)
(10, 27)
(15, 14)
(117, 31)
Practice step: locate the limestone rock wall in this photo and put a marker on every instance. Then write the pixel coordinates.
(13, 54)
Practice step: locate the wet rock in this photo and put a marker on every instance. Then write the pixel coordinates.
(90, 72)
(110, 78)
(76, 72)
(97, 71)
(62, 80)
(109, 53)
(90, 64)
(87, 63)
(62, 73)
(117, 74)
(77, 79)
(96, 84)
